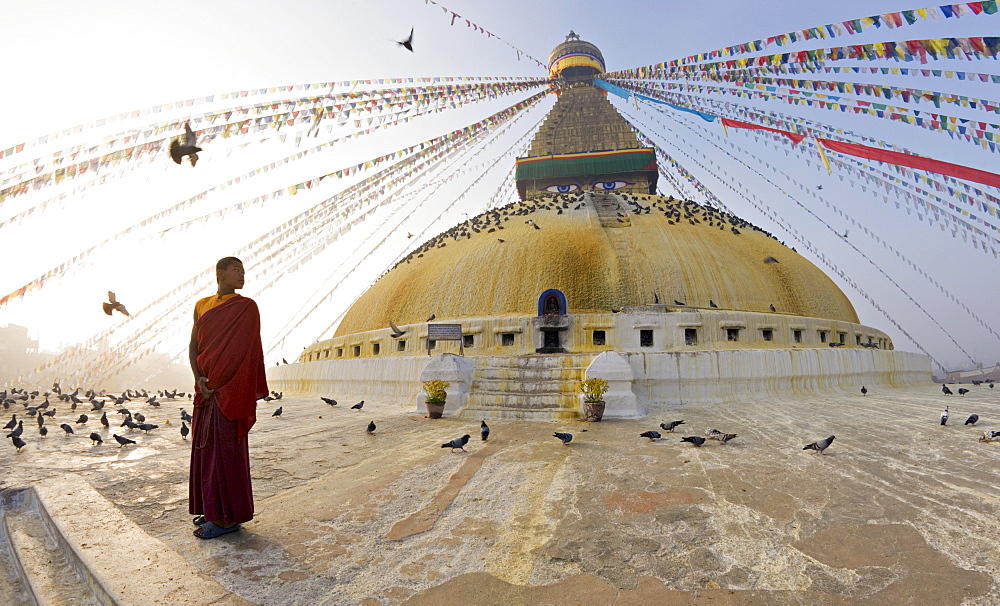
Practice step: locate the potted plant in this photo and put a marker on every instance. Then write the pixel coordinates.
(436, 396)
(593, 398)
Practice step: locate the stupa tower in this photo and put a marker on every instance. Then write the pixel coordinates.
(583, 134)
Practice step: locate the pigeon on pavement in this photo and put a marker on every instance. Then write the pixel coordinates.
(820, 445)
(566, 438)
(671, 425)
(458, 443)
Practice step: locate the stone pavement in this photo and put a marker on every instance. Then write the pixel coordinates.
(899, 510)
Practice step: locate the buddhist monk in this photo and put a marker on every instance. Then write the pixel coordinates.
(228, 364)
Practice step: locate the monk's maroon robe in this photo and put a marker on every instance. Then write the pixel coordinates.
(231, 356)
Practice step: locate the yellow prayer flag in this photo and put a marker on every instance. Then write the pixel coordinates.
(822, 155)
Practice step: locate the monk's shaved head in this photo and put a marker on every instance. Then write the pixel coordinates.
(225, 262)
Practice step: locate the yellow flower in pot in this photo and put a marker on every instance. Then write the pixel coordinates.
(593, 397)
(436, 396)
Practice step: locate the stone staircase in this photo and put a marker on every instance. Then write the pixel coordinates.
(62, 543)
(35, 565)
(530, 387)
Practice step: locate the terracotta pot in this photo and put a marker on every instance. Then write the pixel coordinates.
(434, 409)
(594, 411)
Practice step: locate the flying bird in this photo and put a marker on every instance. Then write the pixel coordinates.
(566, 438)
(277, 413)
(114, 305)
(671, 425)
(408, 43)
(358, 405)
(458, 443)
(652, 435)
(972, 420)
(189, 149)
(820, 445)
(184, 431)
(396, 333)
(122, 441)
(96, 438)
(371, 427)
(484, 430)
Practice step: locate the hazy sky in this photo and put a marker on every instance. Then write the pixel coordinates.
(72, 62)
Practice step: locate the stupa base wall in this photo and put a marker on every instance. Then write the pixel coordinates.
(660, 380)
(672, 378)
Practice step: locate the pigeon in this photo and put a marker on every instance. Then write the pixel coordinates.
(820, 445)
(972, 420)
(671, 425)
(652, 435)
(566, 438)
(945, 390)
(43, 431)
(696, 440)
(676, 302)
(184, 431)
(358, 405)
(712, 304)
(185, 416)
(104, 420)
(41, 421)
(83, 419)
(66, 428)
(944, 416)
(114, 305)
(122, 441)
(371, 427)
(408, 43)
(96, 438)
(50, 413)
(284, 361)
(864, 390)
(431, 319)
(991, 385)
(770, 260)
(329, 401)
(396, 332)
(484, 430)
(715, 434)
(772, 307)
(18, 431)
(458, 443)
(989, 436)
(278, 394)
(18, 443)
(147, 427)
(962, 391)
(277, 413)
(189, 149)
(140, 417)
